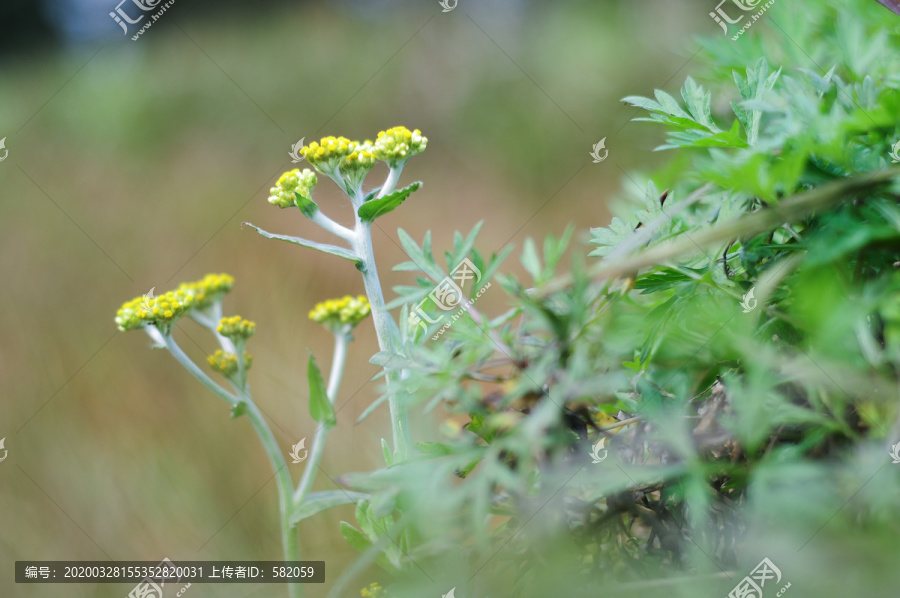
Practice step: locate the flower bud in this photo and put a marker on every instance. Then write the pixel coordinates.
(341, 314)
(236, 327)
(227, 364)
(395, 146)
(290, 185)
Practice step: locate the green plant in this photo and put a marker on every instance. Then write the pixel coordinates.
(732, 349)
(347, 163)
(735, 349)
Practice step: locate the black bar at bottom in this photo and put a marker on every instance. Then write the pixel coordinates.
(169, 572)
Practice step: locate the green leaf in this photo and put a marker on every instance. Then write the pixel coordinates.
(434, 449)
(322, 501)
(371, 408)
(376, 208)
(530, 259)
(425, 262)
(238, 409)
(670, 105)
(324, 248)
(698, 102)
(320, 408)
(306, 205)
(387, 452)
(354, 537)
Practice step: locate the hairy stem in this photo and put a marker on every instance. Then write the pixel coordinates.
(289, 538)
(391, 182)
(196, 372)
(387, 338)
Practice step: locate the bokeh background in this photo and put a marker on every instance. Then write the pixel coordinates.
(132, 165)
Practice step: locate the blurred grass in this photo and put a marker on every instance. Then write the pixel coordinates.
(134, 169)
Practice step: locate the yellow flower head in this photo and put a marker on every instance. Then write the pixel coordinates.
(395, 146)
(226, 363)
(208, 290)
(338, 314)
(373, 591)
(236, 327)
(328, 152)
(356, 165)
(291, 183)
(145, 310)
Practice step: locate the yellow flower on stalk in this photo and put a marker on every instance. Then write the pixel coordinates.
(145, 310)
(289, 185)
(236, 327)
(357, 164)
(328, 152)
(339, 314)
(226, 363)
(208, 290)
(395, 146)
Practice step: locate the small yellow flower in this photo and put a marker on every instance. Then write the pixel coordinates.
(395, 146)
(163, 310)
(357, 164)
(226, 363)
(338, 314)
(328, 152)
(236, 327)
(291, 183)
(373, 591)
(208, 290)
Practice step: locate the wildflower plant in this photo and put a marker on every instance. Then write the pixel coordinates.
(347, 163)
(712, 419)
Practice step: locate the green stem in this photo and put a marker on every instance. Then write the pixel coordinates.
(387, 339)
(318, 446)
(391, 181)
(195, 371)
(289, 538)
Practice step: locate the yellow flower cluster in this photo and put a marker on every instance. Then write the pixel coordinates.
(144, 310)
(397, 145)
(373, 591)
(208, 290)
(361, 159)
(236, 327)
(328, 152)
(226, 363)
(291, 182)
(168, 307)
(335, 312)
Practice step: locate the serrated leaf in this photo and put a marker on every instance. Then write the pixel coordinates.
(322, 501)
(376, 208)
(698, 102)
(670, 105)
(642, 102)
(320, 408)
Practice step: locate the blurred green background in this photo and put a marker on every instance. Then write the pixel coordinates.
(132, 165)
